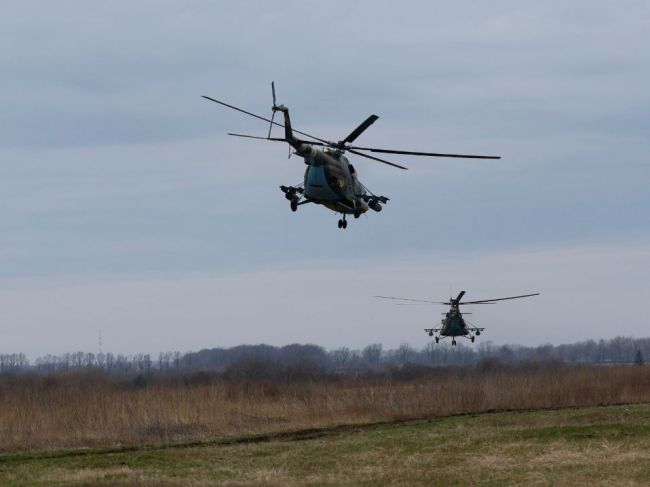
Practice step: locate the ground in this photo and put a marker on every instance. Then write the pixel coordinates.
(589, 446)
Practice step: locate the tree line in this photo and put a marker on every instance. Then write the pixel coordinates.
(619, 350)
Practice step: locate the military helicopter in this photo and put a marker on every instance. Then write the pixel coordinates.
(453, 324)
(330, 179)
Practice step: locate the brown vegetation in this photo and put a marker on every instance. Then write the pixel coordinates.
(90, 409)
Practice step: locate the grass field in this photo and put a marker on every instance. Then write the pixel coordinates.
(92, 410)
(595, 446)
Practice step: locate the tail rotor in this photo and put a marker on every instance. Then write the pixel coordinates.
(274, 109)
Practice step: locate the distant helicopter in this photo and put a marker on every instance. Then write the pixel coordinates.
(453, 324)
(330, 180)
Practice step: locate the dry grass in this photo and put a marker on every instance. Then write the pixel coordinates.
(89, 410)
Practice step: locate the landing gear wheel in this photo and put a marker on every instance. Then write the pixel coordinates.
(357, 213)
(345, 224)
(453, 342)
(437, 339)
(294, 205)
(472, 339)
(340, 223)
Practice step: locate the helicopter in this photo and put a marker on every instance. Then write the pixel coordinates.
(453, 324)
(330, 179)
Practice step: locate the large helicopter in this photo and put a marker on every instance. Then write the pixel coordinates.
(330, 180)
(453, 324)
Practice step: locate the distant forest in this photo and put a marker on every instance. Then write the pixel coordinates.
(256, 360)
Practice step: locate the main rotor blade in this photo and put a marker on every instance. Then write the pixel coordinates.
(460, 296)
(274, 139)
(489, 301)
(409, 299)
(429, 154)
(260, 117)
(360, 129)
(377, 159)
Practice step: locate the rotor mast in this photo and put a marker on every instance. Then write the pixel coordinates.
(455, 303)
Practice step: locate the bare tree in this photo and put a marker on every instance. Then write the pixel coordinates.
(404, 353)
(638, 359)
(372, 354)
(177, 359)
(77, 359)
(89, 359)
(341, 356)
(431, 352)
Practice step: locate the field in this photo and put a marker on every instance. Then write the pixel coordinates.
(595, 446)
(493, 424)
(92, 410)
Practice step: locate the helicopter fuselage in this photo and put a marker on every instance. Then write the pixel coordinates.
(330, 180)
(453, 324)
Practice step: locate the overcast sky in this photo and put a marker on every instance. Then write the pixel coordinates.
(124, 206)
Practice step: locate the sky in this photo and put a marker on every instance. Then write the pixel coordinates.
(126, 208)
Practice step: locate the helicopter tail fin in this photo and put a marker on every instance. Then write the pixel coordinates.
(288, 131)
